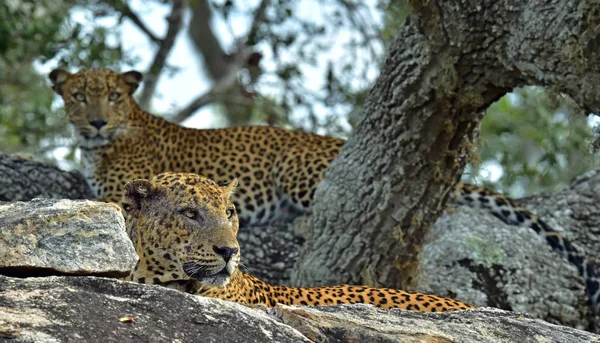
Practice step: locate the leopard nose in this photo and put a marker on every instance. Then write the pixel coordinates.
(226, 252)
(98, 124)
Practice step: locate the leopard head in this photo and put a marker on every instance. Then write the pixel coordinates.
(97, 101)
(186, 227)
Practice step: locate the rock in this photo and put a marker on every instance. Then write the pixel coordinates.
(574, 212)
(365, 323)
(488, 263)
(268, 251)
(88, 309)
(24, 179)
(47, 236)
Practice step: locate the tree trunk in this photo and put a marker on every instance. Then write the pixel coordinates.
(450, 61)
(205, 41)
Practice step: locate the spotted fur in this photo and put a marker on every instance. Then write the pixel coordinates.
(278, 169)
(186, 230)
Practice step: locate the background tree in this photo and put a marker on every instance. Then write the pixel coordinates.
(445, 67)
(262, 76)
(538, 139)
(33, 32)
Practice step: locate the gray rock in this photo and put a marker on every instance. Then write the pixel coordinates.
(574, 212)
(88, 309)
(47, 236)
(365, 323)
(24, 179)
(269, 251)
(488, 263)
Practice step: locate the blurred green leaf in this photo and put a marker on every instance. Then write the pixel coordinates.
(540, 142)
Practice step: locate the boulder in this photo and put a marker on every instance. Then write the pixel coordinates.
(365, 323)
(24, 179)
(492, 264)
(93, 309)
(488, 263)
(49, 236)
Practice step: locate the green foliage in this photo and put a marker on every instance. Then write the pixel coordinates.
(538, 139)
(30, 30)
(37, 31)
(27, 121)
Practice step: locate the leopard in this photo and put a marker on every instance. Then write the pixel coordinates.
(186, 227)
(278, 169)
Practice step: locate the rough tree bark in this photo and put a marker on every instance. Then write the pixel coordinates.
(449, 61)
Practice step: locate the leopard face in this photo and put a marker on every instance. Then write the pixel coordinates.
(186, 228)
(97, 102)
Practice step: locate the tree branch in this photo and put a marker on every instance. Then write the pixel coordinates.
(205, 41)
(126, 11)
(220, 89)
(222, 70)
(259, 17)
(174, 20)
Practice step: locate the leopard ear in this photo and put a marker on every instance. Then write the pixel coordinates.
(136, 192)
(133, 79)
(230, 187)
(58, 77)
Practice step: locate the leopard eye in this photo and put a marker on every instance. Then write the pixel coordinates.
(192, 214)
(230, 212)
(114, 96)
(79, 96)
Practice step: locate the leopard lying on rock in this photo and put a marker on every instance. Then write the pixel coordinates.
(186, 227)
(279, 169)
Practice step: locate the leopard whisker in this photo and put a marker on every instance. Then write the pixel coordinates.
(243, 267)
